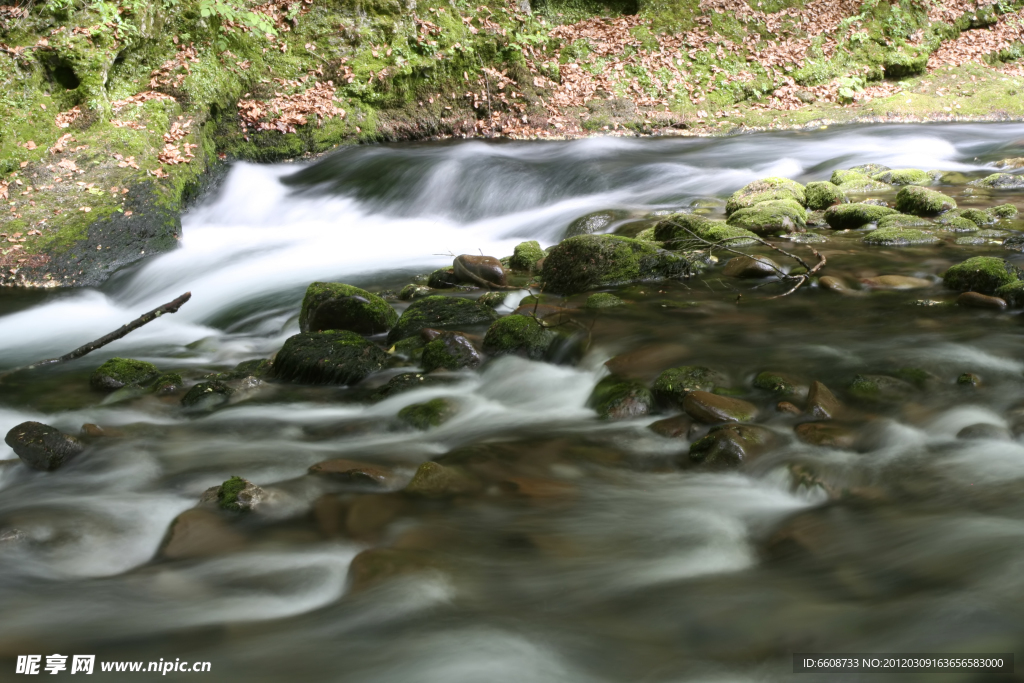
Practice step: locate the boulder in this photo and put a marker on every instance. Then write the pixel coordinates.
(752, 267)
(520, 335)
(118, 373)
(959, 224)
(41, 446)
(731, 445)
(710, 408)
(905, 176)
(620, 399)
(985, 432)
(1000, 181)
(673, 384)
(771, 217)
(856, 182)
(834, 284)
(686, 230)
(1012, 294)
(880, 388)
(821, 195)
(525, 256)
(168, 383)
(479, 270)
(920, 201)
(332, 357)
(984, 274)
(206, 396)
(589, 262)
(450, 351)
(898, 237)
(852, 216)
(763, 190)
(442, 278)
(337, 306)
(440, 312)
(781, 384)
(902, 220)
(432, 413)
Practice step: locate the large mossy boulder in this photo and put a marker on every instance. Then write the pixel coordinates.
(852, 216)
(520, 335)
(525, 256)
(1000, 181)
(899, 237)
(590, 262)
(920, 201)
(771, 217)
(764, 190)
(440, 312)
(905, 176)
(687, 230)
(337, 306)
(615, 398)
(118, 373)
(821, 195)
(41, 446)
(984, 274)
(332, 357)
(449, 351)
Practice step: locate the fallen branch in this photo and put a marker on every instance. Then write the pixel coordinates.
(169, 307)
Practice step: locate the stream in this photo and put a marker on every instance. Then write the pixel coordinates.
(606, 561)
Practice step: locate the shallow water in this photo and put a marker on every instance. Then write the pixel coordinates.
(621, 565)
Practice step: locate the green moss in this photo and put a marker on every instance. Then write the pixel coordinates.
(821, 195)
(852, 216)
(673, 384)
(525, 256)
(588, 262)
(868, 169)
(921, 201)
(778, 383)
(976, 216)
(433, 413)
(770, 217)
(206, 396)
(615, 398)
(257, 367)
(168, 383)
(959, 224)
(337, 306)
(1003, 211)
(904, 61)
(856, 182)
(763, 190)
(227, 495)
(122, 372)
(521, 335)
(449, 351)
(678, 231)
(1012, 293)
(984, 274)
(603, 300)
(331, 357)
(916, 376)
(898, 237)
(410, 292)
(902, 220)
(907, 176)
(492, 299)
(440, 312)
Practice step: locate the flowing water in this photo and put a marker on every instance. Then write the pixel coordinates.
(606, 561)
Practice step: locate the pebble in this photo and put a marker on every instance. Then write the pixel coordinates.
(976, 300)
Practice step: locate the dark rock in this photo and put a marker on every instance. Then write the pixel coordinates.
(117, 373)
(673, 384)
(474, 269)
(42, 447)
(207, 396)
(354, 472)
(983, 431)
(520, 335)
(976, 300)
(711, 408)
(781, 384)
(874, 388)
(827, 434)
(751, 267)
(377, 565)
(337, 306)
(451, 351)
(677, 427)
(333, 357)
(617, 399)
(442, 278)
(440, 312)
(834, 284)
(407, 382)
(731, 445)
(168, 383)
(822, 403)
(787, 408)
(433, 413)
(441, 481)
(589, 262)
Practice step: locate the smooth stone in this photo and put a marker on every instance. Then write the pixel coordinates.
(834, 284)
(41, 446)
(377, 565)
(822, 403)
(984, 431)
(731, 445)
(470, 269)
(751, 267)
(710, 408)
(450, 351)
(826, 434)
(976, 300)
(615, 398)
(787, 408)
(354, 472)
(200, 533)
(896, 282)
(677, 427)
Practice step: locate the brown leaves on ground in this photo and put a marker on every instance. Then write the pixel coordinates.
(951, 10)
(139, 99)
(66, 118)
(165, 76)
(973, 45)
(3, 189)
(284, 112)
(278, 11)
(173, 153)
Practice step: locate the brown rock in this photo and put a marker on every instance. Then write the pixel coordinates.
(834, 284)
(822, 403)
(472, 269)
(437, 481)
(751, 267)
(787, 407)
(367, 516)
(828, 434)
(976, 300)
(710, 408)
(372, 567)
(1015, 162)
(200, 533)
(677, 427)
(354, 472)
(733, 444)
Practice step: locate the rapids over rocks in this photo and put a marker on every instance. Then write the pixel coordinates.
(870, 501)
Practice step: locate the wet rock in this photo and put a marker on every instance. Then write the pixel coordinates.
(41, 446)
(1003, 211)
(899, 237)
(603, 300)
(677, 427)
(333, 357)
(902, 220)
(1011, 163)
(787, 408)
(984, 274)
(959, 224)
(731, 445)
(207, 396)
(589, 262)
(856, 182)
(167, 384)
(751, 267)
(593, 223)
(976, 300)
(766, 189)
(258, 368)
(479, 270)
(906, 176)
(520, 335)
(367, 517)
(199, 533)
(492, 299)
(709, 408)
(354, 472)
(821, 195)
(646, 362)
(822, 403)
(970, 241)
(1000, 181)
(407, 382)
(378, 565)
(921, 201)
(873, 388)
(239, 495)
(440, 312)
(440, 481)
(900, 282)
(976, 216)
(781, 384)
(525, 256)
(851, 216)
(117, 373)
(337, 306)
(1014, 243)
(443, 278)
(1012, 294)
(94, 431)
(412, 292)
(868, 169)
(827, 434)
(834, 284)
(968, 379)
(986, 432)
(433, 413)
(771, 217)
(673, 384)
(618, 399)
(450, 351)
(685, 231)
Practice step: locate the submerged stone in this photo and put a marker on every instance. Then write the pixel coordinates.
(710, 408)
(851, 216)
(900, 282)
(207, 395)
(41, 446)
(377, 565)
(731, 445)
(620, 399)
(200, 533)
(337, 306)
(677, 427)
(763, 190)
(752, 267)
(589, 262)
(873, 388)
(433, 413)
(984, 274)
(333, 357)
(673, 384)
(920, 201)
(407, 382)
(821, 195)
(603, 300)
(898, 237)
(440, 312)
(433, 480)
(117, 373)
(827, 434)
(354, 472)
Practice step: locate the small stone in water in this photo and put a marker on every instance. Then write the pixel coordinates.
(822, 403)
(834, 284)
(41, 446)
(787, 408)
(751, 267)
(968, 379)
(976, 300)
(677, 427)
(711, 408)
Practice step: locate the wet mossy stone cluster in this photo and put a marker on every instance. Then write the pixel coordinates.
(525, 256)
(821, 195)
(686, 230)
(1001, 181)
(590, 262)
(852, 216)
(905, 176)
(440, 312)
(118, 373)
(899, 237)
(332, 357)
(920, 201)
(337, 306)
(855, 181)
(983, 274)
(673, 384)
(41, 446)
(764, 190)
(616, 398)
(770, 217)
(520, 335)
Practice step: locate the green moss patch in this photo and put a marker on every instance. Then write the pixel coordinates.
(764, 190)
(984, 274)
(337, 306)
(898, 237)
(921, 201)
(333, 357)
(852, 216)
(588, 262)
(440, 312)
(122, 372)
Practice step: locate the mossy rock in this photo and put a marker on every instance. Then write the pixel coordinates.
(520, 335)
(525, 256)
(168, 383)
(899, 237)
(440, 312)
(603, 300)
(492, 299)
(332, 357)
(443, 278)
(857, 182)
(821, 195)
(1004, 211)
(976, 216)
(868, 169)
(770, 217)
(592, 223)
(206, 396)
(337, 306)
(258, 367)
(920, 201)
(959, 224)
(589, 262)
(117, 373)
(410, 348)
(1000, 181)
(879, 388)
(678, 231)
(41, 446)
(450, 351)
(852, 216)
(238, 495)
(412, 292)
(731, 445)
(673, 384)
(647, 235)
(763, 190)
(780, 383)
(1012, 294)
(617, 399)
(408, 382)
(433, 480)
(433, 413)
(906, 176)
(983, 274)
(902, 220)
